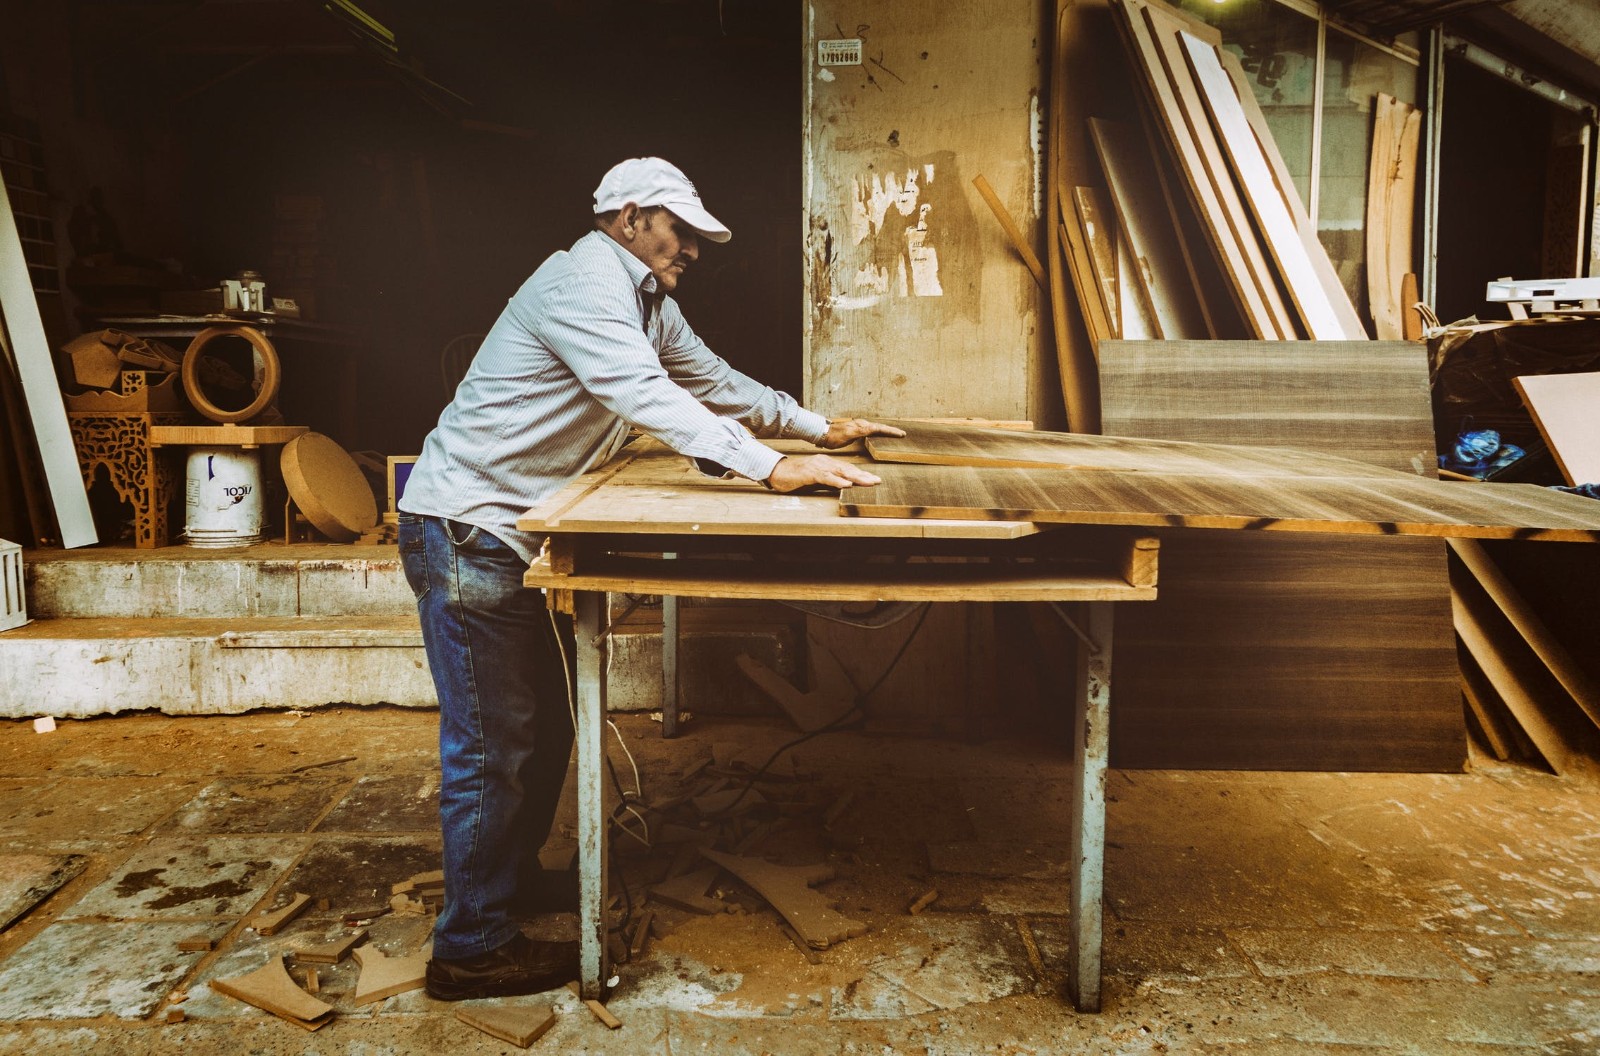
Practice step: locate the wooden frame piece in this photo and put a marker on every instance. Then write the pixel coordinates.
(1100, 233)
(396, 489)
(1563, 408)
(1391, 203)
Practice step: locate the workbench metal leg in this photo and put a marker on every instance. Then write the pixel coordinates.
(1091, 743)
(592, 858)
(669, 665)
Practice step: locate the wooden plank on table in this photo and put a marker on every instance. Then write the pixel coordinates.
(1391, 201)
(1374, 505)
(1327, 275)
(1194, 147)
(1159, 266)
(1101, 234)
(1077, 316)
(1324, 317)
(1135, 314)
(951, 445)
(1566, 408)
(1283, 651)
(19, 314)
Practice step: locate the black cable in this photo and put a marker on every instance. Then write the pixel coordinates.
(859, 705)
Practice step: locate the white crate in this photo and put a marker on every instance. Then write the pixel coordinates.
(13, 604)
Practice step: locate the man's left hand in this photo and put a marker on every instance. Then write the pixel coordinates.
(842, 431)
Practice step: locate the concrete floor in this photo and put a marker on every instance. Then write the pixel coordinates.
(1247, 913)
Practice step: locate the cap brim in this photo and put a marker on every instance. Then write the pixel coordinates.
(706, 225)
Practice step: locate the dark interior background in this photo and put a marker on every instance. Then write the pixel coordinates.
(451, 167)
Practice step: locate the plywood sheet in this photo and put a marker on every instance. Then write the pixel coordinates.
(1566, 408)
(1324, 316)
(1274, 651)
(1374, 505)
(1158, 264)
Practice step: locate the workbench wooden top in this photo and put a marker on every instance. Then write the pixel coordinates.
(650, 489)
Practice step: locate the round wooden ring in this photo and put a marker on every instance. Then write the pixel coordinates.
(271, 373)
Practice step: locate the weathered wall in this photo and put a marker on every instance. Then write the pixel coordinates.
(917, 304)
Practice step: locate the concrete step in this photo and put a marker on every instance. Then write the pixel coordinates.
(264, 580)
(210, 666)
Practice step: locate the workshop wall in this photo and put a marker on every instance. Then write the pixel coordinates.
(917, 304)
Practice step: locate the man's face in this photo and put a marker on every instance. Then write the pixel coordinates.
(666, 244)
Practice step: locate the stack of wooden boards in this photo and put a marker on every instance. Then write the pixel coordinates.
(1186, 223)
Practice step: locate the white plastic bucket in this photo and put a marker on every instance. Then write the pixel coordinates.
(222, 497)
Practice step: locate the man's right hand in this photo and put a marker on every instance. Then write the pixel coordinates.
(793, 472)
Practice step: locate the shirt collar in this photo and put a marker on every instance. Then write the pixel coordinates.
(636, 268)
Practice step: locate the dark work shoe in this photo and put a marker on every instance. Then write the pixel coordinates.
(521, 966)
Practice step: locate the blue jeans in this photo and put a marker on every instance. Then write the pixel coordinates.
(505, 731)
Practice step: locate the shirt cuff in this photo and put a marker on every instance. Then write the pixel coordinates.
(809, 426)
(754, 460)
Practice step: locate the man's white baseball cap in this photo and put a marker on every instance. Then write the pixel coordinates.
(652, 181)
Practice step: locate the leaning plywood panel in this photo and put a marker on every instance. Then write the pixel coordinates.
(1281, 651)
(1324, 316)
(1159, 267)
(1566, 408)
(19, 314)
(1153, 44)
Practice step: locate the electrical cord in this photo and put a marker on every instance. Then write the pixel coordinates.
(858, 705)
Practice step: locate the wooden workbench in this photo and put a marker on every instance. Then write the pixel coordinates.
(610, 530)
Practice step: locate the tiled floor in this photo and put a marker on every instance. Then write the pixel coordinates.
(1253, 913)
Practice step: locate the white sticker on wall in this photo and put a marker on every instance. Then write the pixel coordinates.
(839, 52)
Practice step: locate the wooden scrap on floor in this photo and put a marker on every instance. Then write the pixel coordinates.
(788, 890)
(927, 899)
(1566, 409)
(600, 1011)
(641, 934)
(811, 956)
(197, 943)
(270, 988)
(331, 952)
(313, 981)
(521, 1025)
(688, 892)
(809, 711)
(176, 1015)
(271, 923)
(383, 976)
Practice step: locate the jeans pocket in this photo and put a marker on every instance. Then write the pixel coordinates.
(413, 541)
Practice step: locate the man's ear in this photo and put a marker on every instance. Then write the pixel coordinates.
(629, 219)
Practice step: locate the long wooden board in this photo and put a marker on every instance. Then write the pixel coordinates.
(19, 314)
(1386, 505)
(1324, 317)
(1391, 202)
(1100, 233)
(1566, 408)
(1277, 650)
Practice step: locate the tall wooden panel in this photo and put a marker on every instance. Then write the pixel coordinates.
(1283, 652)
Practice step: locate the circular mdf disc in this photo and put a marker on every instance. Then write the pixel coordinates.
(328, 486)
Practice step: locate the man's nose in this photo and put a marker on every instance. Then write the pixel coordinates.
(691, 248)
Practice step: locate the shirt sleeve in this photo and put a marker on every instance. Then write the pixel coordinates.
(592, 324)
(714, 382)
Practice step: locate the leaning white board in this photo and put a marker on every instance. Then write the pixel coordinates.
(20, 314)
(1564, 407)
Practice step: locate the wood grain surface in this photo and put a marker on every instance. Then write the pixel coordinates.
(1566, 408)
(1283, 651)
(1373, 505)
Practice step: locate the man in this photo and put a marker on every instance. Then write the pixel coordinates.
(590, 344)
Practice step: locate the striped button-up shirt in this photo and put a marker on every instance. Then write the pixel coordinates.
(584, 348)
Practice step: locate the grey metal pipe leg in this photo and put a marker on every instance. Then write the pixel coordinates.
(669, 665)
(589, 616)
(1091, 744)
